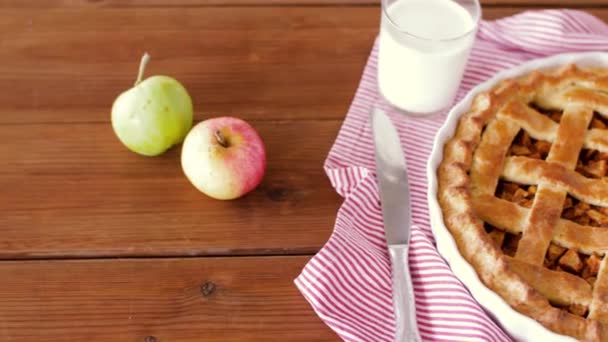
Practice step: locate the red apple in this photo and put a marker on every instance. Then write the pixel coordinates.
(224, 157)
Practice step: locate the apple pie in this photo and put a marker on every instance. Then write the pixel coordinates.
(523, 188)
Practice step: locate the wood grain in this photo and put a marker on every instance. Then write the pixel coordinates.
(73, 190)
(256, 63)
(199, 3)
(245, 299)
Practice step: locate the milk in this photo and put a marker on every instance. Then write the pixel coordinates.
(424, 47)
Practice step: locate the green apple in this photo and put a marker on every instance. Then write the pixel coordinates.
(153, 115)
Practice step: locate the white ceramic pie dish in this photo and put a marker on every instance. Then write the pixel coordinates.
(520, 327)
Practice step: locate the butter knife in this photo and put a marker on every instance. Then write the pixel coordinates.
(395, 202)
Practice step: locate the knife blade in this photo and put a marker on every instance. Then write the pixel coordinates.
(395, 202)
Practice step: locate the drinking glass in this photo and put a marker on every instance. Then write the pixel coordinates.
(424, 48)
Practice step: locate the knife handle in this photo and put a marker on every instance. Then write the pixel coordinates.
(404, 301)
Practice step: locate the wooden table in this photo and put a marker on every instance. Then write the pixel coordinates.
(100, 244)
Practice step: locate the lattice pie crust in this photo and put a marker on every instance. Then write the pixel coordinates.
(524, 192)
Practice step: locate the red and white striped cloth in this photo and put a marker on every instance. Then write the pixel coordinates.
(348, 283)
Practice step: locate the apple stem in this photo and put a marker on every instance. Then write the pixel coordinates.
(142, 67)
(220, 138)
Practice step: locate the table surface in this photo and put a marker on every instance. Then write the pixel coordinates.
(100, 244)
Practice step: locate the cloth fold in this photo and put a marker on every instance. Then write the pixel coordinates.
(348, 282)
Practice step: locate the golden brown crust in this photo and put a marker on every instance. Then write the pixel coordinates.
(468, 175)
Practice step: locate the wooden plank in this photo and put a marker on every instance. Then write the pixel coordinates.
(200, 3)
(70, 189)
(127, 300)
(73, 190)
(257, 63)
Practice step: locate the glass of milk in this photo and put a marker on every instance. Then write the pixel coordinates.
(424, 47)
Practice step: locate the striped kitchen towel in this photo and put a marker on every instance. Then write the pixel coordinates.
(348, 283)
